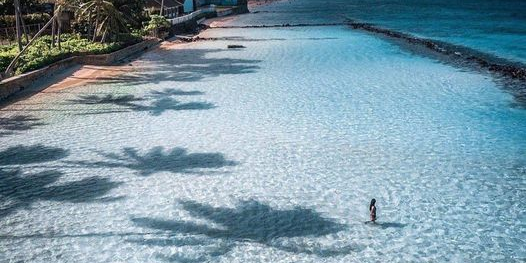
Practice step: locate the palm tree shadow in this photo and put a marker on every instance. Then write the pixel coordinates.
(206, 255)
(156, 103)
(252, 222)
(184, 65)
(116, 103)
(17, 123)
(208, 248)
(159, 106)
(20, 154)
(19, 191)
(110, 99)
(174, 92)
(176, 160)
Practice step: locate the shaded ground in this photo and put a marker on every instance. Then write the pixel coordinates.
(176, 160)
(18, 123)
(156, 103)
(19, 189)
(250, 221)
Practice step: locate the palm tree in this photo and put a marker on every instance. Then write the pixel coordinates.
(132, 11)
(108, 20)
(162, 7)
(18, 24)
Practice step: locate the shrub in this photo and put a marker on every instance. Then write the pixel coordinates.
(157, 22)
(40, 53)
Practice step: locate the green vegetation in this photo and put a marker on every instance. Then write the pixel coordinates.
(41, 54)
(30, 6)
(9, 20)
(108, 20)
(95, 27)
(157, 22)
(157, 26)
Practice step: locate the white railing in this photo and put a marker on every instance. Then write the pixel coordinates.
(185, 18)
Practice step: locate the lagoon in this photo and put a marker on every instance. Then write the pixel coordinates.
(270, 153)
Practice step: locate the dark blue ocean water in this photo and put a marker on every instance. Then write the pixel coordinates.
(491, 26)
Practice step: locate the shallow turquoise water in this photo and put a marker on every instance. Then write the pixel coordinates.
(268, 154)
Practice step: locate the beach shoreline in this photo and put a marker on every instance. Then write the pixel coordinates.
(79, 75)
(86, 74)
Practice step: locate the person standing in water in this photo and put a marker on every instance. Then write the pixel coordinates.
(372, 210)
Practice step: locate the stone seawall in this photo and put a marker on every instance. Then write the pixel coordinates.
(17, 83)
(108, 59)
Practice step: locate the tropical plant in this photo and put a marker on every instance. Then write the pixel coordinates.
(133, 12)
(156, 25)
(106, 21)
(157, 22)
(102, 21)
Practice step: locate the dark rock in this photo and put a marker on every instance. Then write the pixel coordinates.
(236, 46)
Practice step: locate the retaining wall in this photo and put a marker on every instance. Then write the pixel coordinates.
(189, 23)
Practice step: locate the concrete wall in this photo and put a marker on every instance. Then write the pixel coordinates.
(221, 2)
(17, 83)
(108, 59)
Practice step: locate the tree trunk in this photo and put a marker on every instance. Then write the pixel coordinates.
(96, 26)
(103, 39)
(53, 29)
(9, 69)
(24, 26)
(58, 33)
(89, 25)
(17, 19)
(162, 7)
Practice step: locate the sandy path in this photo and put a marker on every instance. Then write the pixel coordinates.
(86, 74)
